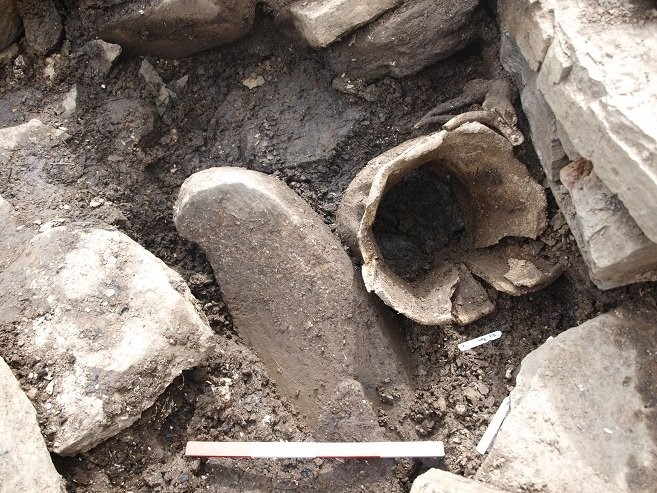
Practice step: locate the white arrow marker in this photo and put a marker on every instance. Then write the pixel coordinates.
(464, 346)
(312, 450)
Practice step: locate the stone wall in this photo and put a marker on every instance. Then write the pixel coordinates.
(585, 71)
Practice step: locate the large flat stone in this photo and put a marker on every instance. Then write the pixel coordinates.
(598, 77)
(614, 248)
(105, 321)
(417, 34)
(172, 28)
(542, 122)
(25, 463)
(292, 290)
(25, 136)
(583, 415)
(322, 22)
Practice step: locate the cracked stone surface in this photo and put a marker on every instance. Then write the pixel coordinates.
(106, 322)
(614, 248)
(415, 35)
(583, 407)
(597, 74)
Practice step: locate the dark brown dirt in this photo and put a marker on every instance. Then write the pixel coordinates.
(419, 225)
(297, 127)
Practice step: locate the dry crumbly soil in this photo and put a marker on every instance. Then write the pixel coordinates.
(617, 12)
(297, 127)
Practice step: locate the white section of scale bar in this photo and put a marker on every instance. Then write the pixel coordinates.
(464, 346)
(489, 435)
(311, 450)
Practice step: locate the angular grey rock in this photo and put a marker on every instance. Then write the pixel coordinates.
(10, 23)
(614, 248)
(438, 481)
(172, 28)
(102, 56)
(542, 123)
(291, 289)
(166, 93)
(42, 23)
(414, 36)
(134, 117)
(598, 77)
(25, 463)
(108, 321)
(322, 22)
(583, 414)
(470, 301)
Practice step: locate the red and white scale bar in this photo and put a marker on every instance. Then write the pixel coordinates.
(315, 450)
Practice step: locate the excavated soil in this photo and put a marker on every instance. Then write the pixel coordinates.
(413, 238)
(298, 128)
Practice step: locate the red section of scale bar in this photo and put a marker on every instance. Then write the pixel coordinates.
(324, 450)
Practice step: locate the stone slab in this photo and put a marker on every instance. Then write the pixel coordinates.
(172, 28)
(614, 248)
(25, 463)
(438, 481)
(599, 79)
(417, 34)
(106, 321)
(322, 22)
(583, 415)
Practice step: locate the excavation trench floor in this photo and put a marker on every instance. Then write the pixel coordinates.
(297, 127)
